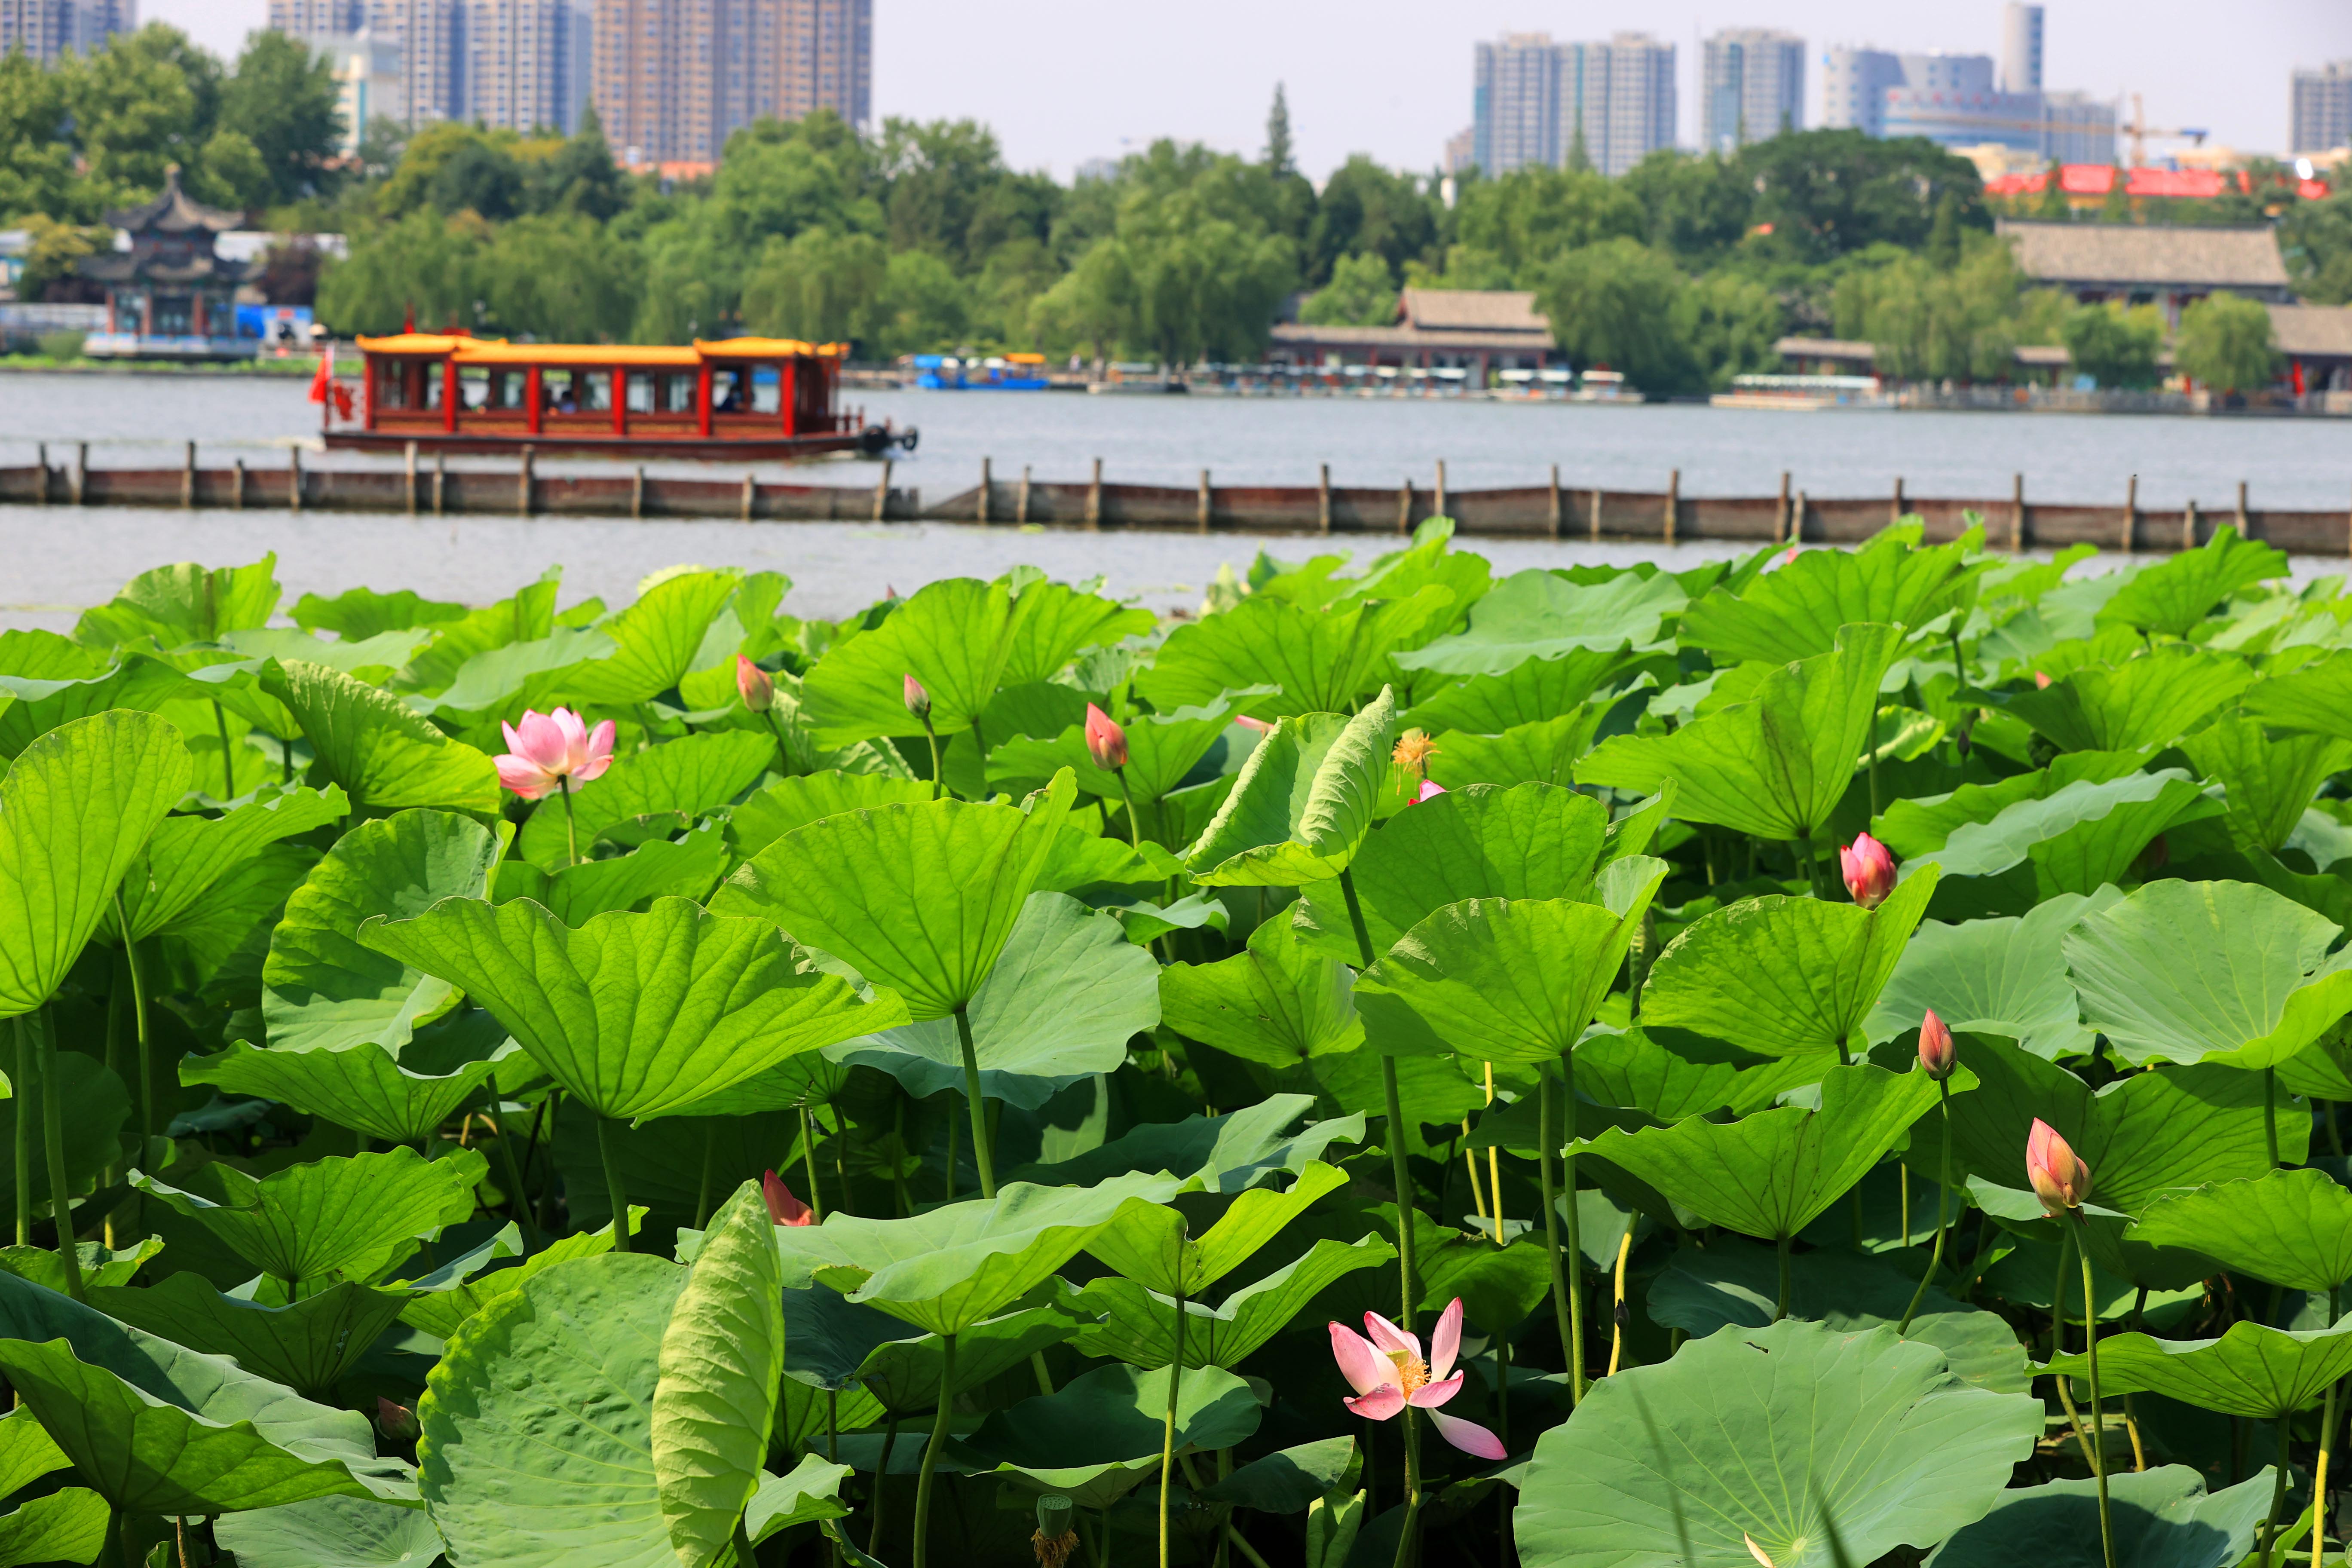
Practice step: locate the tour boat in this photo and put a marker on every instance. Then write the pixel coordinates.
(739, 399)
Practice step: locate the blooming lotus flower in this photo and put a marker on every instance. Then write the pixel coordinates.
(2060, 1178)
(1106, 741)
(1427, 791)
(783, 1207)
(548, 750)
(919, 702)
(1869, 870)
(397, 1422)
(1936, 1053)
(1388, 1373)
(756, 685)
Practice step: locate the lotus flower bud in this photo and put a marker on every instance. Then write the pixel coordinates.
(1414, 750)
(1935, 1052)
(783, 1207)
(1428, 791)
(2041, 681)
(2060, 1178)
(1869, 870)
(756, 685)
(919, 702)
(1106, 741)
(1246, 722)
(396, 1422)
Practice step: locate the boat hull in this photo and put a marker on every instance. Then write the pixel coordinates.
(872, 441)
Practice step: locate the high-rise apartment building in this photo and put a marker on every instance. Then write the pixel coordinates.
(2021, 47)
(2320, 115)
(318, 18)
(1853, 88)
(517, 65)
(1535, 101)
(45, 29)
(674, 79)
(430, 36)
(1752, 87)
(368, 80)
(1965, 100)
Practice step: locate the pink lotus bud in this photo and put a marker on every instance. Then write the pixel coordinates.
(756, 685)
(396, 1422)
(783, 1207)
(2060, 1178)
(1868, 867)
(1246, 722)
(1428, 791)
(1935, 1052)
(919, 702)
(1106, 741)
(2041, 681)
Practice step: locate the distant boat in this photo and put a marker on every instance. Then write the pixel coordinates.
(996, 372)
(1604, 386)
(1803, 394)
(1128, 378)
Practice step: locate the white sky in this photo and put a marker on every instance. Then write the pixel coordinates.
(1065, 80)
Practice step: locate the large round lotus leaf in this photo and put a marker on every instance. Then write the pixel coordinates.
(361, 1086)
(2291, 1227)
(538, 1444)
(1779, 1434)
(331, 1532)
(2161, 1518)
(2251, 1370)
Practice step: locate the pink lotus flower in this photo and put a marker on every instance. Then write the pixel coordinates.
(1106, 741)
(783, 1207)
(1388, 1373)
(397, 1422)
(919, 702)
(1869, 870)
(1429, 790)
(2060, 1178)
(548, 750)
(1246, 722)
(756, 687)
(1935, 1052)
(2041, 681)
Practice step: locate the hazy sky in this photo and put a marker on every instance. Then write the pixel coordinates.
(1065, 80)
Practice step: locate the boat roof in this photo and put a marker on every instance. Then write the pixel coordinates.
(498, 351)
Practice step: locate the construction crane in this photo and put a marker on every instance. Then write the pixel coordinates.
(2139, 130)
(2136, 128)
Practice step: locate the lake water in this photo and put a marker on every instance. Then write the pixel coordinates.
(57, 561)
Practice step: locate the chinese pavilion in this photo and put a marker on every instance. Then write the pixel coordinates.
(169, 295)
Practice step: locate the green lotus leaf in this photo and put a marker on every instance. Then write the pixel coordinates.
(385, 756)
(950, 1268)
(1732, 1282)
(2315, 698)
(323, 989)
(1482, 841)
(1137, 1325)
(100, 1264)
(308, 1346)
(1541, 615)
(160, 1428)
(27, 1452)
(1303, 804)
(1770, 1173)
(1277, 1002)
(770, 813)
(1289, 1480)
(2171, 596)
(2160, 1519)
(1323, 661)
(1162, 750)
(2291, 1227)
(76, 810)
(185, 603)
(46, 681)
(905, 1374)
(2271, 781)
(2148, 700)
(1149, 1242)
(1544, 752)
(1107, 1426)
(538, 1447)
(955, 635)
(918, 899)
(655, 641)
(2075, 840)
(1504, 980)
(687, 868)
(451, 1294)
(812, 1492)
(1525, 693)
(527, 615)
(1066, 994)
(635, 1016)
(1827, 1445)
(1634, 1071)
(2188, 971)
(1917, 826)
(307, 1224)
(1227, 1154)
(94, 1105)
(67, 1526)
(364, 611)
(676, 784)
(2253, 1370)
(492, 683)
(331, 1532)
(1775, 765)
(1781, 976)
(1796, 612)
(715, 1397)
(187, 856)
(2004, 977)
(363, 1087)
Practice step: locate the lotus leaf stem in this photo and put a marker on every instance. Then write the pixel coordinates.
(2319, 1473)
(982, 1155)
(1563, 1300)
(2099, 1430)
(1943, 1193)
(1134, 826)
(881, 1474)
(808, 1163)
(25, 1091)
(1617, 1312)
(608, 1147)
(2270, 1114)
(1167, 1429)
(931, 1451)
(571, 820)
(229, 761)
(1781, 1303)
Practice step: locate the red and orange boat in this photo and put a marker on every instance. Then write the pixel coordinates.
(740, 399)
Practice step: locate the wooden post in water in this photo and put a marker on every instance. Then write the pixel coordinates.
(2016, 512)
(41, 492)
(750, 495)
(441, 482)
(1021, 499)
(1797, 520)
(1441, 488)
(882, 492)
(237, 484)
(1673, 502)
(2189, 525)
(1203, 506)
(1594, 524)
(522, 482)
(1552, 503)
(294, 478)
(409, 466)
(1780, 512)
(636, 492)
(81, 475)
(1323, 496)
(2131, 512)
(2242, 524)
(188, 478)
(1404, 506)
(1896, 515)
(986, 485)
(1093, 498)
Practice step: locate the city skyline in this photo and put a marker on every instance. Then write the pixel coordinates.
(1073, 83)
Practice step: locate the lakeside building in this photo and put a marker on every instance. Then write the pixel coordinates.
(2170, 266)
(169, 294)
(674, 79)
(2319, 109)
(1534, 101)
(1752, 87)
(1479, 332)
(44, 29)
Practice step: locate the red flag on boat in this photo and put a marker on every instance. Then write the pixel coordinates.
(324, 380)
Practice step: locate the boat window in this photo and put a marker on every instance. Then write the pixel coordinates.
(764, 399)
(640, 391)
(679, 387)
(390, 384)
(730, 390)
(473, 388)
(557, 390)
(595, 391)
